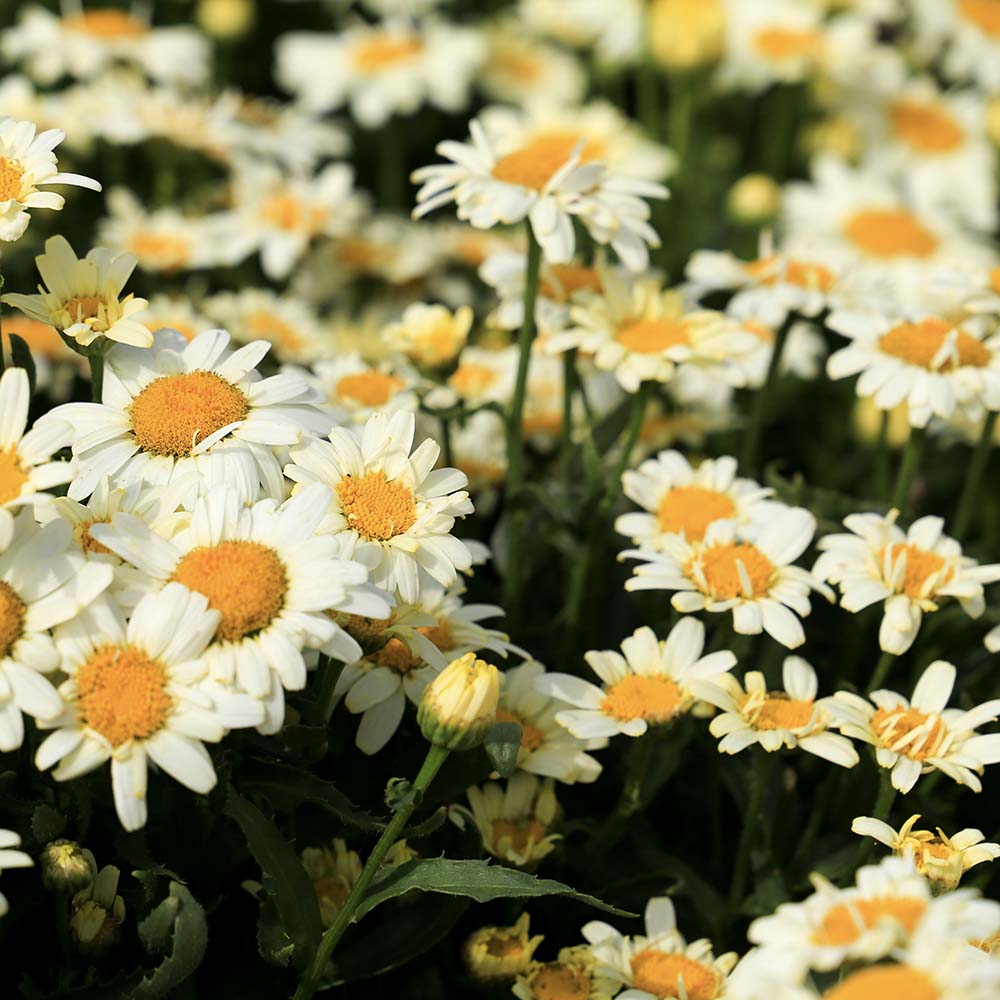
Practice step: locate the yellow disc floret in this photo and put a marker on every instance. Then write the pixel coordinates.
(376, 508)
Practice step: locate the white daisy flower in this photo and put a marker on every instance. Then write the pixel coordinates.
(650, 683)
(920, 735)
(133, 694)
(429, 335)
(485, 375)
(548, 181)
(788, 719)
(27, 163)
(271, 577)
(11, 858)
(515, 819)
(184, 408)
(967, 33)
(176, 312)
(392, 510)
(912, 572)
(681, 499)
(755, 580)
(355, 389)
(82, 298)
(613, 28)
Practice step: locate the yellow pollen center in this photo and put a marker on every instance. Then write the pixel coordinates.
(168, 251)
(521, 834)
(559, 982)
(532, 737)
(844, 923)
(86, 307)
(381, 52)
(470, 379)
(778, 711)
(11, 618)
(562, 280)
(370, 388)
(889, 233)
(884, 982)
(286, 211)
(87, 542)
(804, 273)
(662, 974)
(920, 567)
(376, 508)
(689, 510)
(653, 698)
(984, 14)
(244, 581)
(533, 164)
(173, 413)
(919, 343)
(504, 946)
(926, 127)
(777, 43)
(106, 23)
(651, 336)
(720, 566)
(439, 634)
(10, 180)
(396, 655)
(13, 475)
(365, 630)
(895, 728)
(519, 65)
(266, 325)
(122, 694)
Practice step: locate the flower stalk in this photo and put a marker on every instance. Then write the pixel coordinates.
(967, 506)
(758, 413)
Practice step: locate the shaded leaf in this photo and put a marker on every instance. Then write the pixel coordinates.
(187, 942)
(47, 823)
(502, 746)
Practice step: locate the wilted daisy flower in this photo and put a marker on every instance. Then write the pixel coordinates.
(682, 499)
(133, 695)
(333, 873)
(919, 735)
(660, 963)
(548, 181)
(11, 858)
(27, 163)
(912, 572)
(271, 577)
(574, 975)
(940, 858)
(391, 510)
(82, 298)
(649, 683)
(755, 580)
(515, 820)
(182, 408)
(497, 953)
(790, 718)
(430, 335)
(381, 70)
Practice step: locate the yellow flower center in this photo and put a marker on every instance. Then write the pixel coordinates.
(360, 254)
(691, 509)
(562, 280)
(439, 634)
(664, 974)
(123, 694)
(920, 567)
(268, 326)
(520, 65)
(470, 379)
(776, 43)
(652, 336)
(379, 52)
(720, 565)
(501, 945)
(88, 307)
(882, 982)
(396, 655)
(11, 618)
(532, 737)
(286, 211)
(804, 273)
(777, 711)
(244, 581)
(984, 14)
(166, 250)
(10, 179)
(919, 343)
(844, 923)
(86, 542)
(994, 279)
(13, 475)
(370, 388)
(655, 699)
(559, 982)
(518, 835)
(533, 164)
(106, 22)
(888, 233)
(909, 731)
(926, 127)
(376, 508)
(173, 413)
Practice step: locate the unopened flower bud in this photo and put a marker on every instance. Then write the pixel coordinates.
(460, 705)
(98, 913)
(754, 198)
(225, 18)
(67, 867)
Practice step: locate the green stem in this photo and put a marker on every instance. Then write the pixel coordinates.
(908, 467)
(310, 982)
(446, 450)
(636, 416)
(566, 431)
(95, 355)
(882, 458)
(391, 169)
(881, 670)
(328, 671)
(886, 795)
(755, 429)
(970, 494)
(680, 117)
(751, 824)
(647, 96)
(631, 799)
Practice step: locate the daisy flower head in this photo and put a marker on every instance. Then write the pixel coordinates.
(133, 695)
(270, 575)
(484, 375)
(498, 953)
(912, 572)
(190, 409)
(574, 974)
(943, 860)
(919, 735)
(794, 717)
(756, 580)
(333, 872)
(10, 857)
(82, 298)
(552, 179)
(613, 30)
(28, 163)
(515, 819)
(938, 366)
(650, 683)
(966, 33)
(355, 389)
(176, 312)
(681, 499)
(430, 335)
(391, 509)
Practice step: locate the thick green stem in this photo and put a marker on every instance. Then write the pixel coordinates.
(758, 413)
(881, 670)
(328, 672)
(912, 455)
(310, 982)
(95, 355)
(967, 508)
(751, 824)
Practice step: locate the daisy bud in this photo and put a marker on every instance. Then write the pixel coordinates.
(753, 199)
(226, 19)
(460, 705)
(98, 913)
(67, 867)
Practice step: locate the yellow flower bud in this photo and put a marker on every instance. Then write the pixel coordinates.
(460, 705)
(685, 34)
(98, 913)
(754, 198)
(226, 18)
(67, 867)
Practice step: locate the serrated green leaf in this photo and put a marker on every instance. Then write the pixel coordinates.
(149, 878)
(187, 943)
(274, 945)
(287, 879)
(21, 357)
(502, 746)
(156, 928)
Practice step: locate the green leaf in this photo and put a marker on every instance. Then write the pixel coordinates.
(274, 945)
(182, 913)
(47, 823)
(502, 746)
(21, 357)
(286, 879)
(476, 879)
